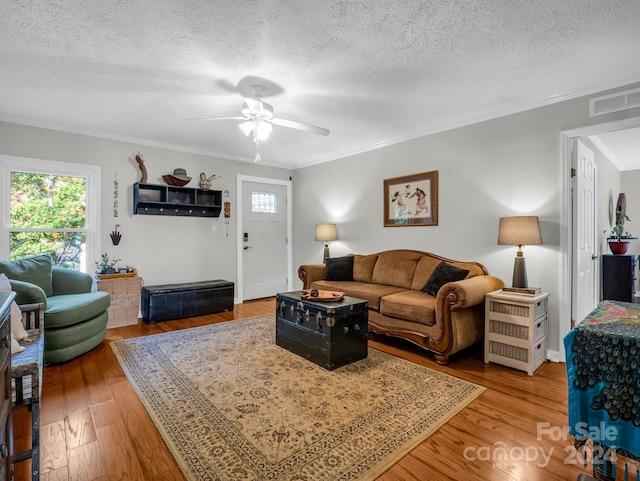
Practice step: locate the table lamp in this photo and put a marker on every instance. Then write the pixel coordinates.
(326, 233)
(519, 231)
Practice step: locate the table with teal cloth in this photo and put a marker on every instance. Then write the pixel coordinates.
(603, 372)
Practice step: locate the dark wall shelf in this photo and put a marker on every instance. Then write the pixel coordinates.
(152, 199)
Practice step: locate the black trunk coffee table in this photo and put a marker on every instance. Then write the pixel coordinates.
(330, 334)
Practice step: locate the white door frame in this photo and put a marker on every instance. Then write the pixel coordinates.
(566, 234)
(239, 275)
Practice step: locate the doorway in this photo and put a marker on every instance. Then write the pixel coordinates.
(567, 238)
(264, 252)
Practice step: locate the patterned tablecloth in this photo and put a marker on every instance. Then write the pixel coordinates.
(603, 371)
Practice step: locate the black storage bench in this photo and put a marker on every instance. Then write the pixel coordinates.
(190, 299)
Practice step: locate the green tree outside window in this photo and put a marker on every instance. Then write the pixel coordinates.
(48, 215)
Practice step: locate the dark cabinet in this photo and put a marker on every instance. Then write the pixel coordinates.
(618, 277)
(151, 199)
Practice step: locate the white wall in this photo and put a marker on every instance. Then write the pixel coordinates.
(500, 167)
(164, 249)
(630, 185)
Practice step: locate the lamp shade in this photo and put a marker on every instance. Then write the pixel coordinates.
(326, 232)
(519, 230)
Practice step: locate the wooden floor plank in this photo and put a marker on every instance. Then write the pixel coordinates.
(118, 454)
(150, 449)
(85, 462)
(107, 427)
(53, 454)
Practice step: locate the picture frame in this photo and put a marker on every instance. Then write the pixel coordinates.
(411, 200)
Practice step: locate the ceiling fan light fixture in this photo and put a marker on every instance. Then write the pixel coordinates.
(246, 127)
(263, 130)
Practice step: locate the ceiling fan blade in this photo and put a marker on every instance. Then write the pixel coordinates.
(216, 118)
(300, 126)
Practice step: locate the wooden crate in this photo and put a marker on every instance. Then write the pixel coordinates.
(125, 299)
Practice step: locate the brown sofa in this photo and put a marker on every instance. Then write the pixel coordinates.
(393, 281)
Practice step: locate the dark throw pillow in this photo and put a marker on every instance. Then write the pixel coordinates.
(442, 274)
(339, 269)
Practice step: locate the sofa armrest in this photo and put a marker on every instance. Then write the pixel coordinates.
(27, 293)
(309, 273)
(467, 292)
(68, 281)
(460, 303)
(32, 316)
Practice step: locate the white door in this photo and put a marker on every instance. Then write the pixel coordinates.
(585, 285)
(263, 240)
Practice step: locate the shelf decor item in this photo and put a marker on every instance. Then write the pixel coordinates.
(619, 238)
(205, 182)
(179, 178)
(143, 169)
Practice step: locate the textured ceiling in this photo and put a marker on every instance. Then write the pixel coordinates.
(622, 147)
(374, 72)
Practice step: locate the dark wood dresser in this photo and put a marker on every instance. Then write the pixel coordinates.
(618, 277)
(5, 368)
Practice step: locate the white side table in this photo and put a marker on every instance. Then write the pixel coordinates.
(515, 332)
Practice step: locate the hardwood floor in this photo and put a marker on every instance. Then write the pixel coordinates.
(95, 428)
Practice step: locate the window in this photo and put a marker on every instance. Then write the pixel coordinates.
(49, 207)
(265, 202)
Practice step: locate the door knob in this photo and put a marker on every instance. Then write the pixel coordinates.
(247, 247)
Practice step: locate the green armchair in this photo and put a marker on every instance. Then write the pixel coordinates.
(75, 316)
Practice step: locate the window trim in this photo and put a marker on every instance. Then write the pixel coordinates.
(91, 173)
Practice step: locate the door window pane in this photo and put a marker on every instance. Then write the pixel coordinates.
(264, 202)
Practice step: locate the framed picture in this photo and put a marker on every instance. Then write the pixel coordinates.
(411, 200)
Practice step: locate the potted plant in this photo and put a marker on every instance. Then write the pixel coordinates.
(619, 238)
(106, 266)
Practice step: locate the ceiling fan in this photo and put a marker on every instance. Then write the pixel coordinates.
(258, 118)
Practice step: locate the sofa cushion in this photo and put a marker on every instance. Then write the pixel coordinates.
(33, 269)
(396, 268)
(425, 267)
(363, 267)
(361, 290)
(410, 305)
(71, 309)
(442, 274)
(339, 269)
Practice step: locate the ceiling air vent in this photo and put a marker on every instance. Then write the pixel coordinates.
(614, 102)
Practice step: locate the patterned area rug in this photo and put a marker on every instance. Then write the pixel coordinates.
(231, 405)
